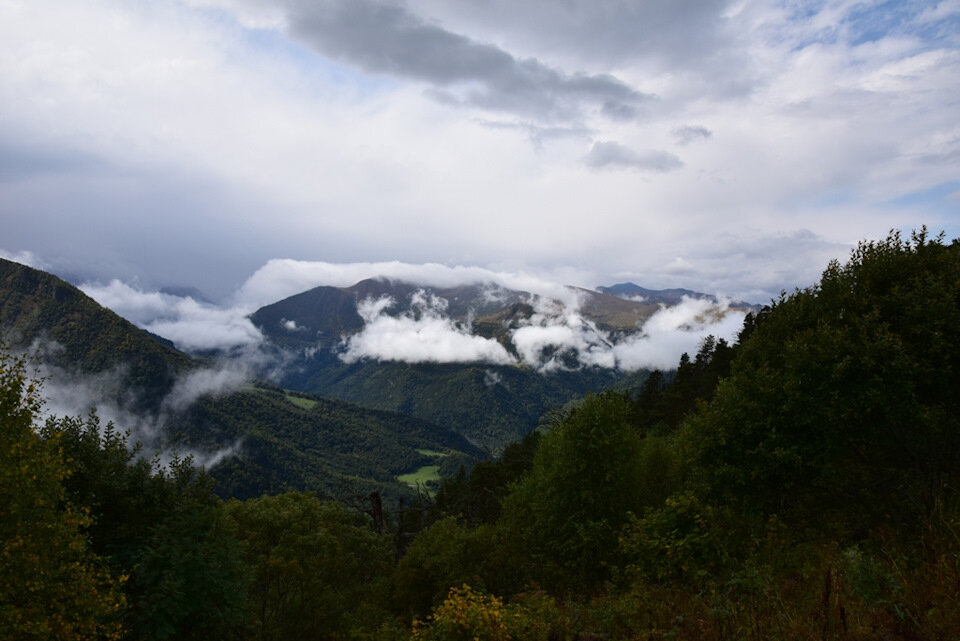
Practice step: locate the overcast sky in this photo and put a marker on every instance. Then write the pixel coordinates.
(729, 147)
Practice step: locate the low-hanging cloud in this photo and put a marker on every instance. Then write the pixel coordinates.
(230, 377)
(109, 393)
(281, 277)
(27, 258)
(613, 155)
(555, 337)
(190, 324)
(555, 333)
(423, 335)
(675, 330)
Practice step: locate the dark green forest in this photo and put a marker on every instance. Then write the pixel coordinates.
(801, 483)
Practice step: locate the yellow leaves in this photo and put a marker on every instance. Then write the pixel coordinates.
(465, 615)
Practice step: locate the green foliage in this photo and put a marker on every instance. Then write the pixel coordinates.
(441, 557)
(471, 615)
(36, 306)
(492, 406)
(317, 570)
(163, 528)
(332, 446)
(477, 499)
(465, 615)
(52, 586)
(187, 568)
(841, 409)
(584, 484)
(664, 401)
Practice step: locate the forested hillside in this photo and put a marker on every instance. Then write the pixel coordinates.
(40, 310)
(490, 404)
(800, 484)
(267, 439)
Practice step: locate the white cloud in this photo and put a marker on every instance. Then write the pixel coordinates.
(24, 258)
(280, 278)
(204, 125)
(675, 330)
(109, 393)
(229, 377)
(423, 336)
(189, 324)
(555, 337)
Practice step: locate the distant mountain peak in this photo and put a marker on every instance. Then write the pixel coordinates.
(672, 296)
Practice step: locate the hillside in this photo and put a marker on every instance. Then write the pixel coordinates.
(275, 441)
(40, 310)
(491, 405)
(301, 442)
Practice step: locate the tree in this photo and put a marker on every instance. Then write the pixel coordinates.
(584, 484)
(318, 570)
(843, 405)
(51, 585)
(162, 527)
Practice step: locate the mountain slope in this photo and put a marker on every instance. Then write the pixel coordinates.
(273, 441)
(40, 310)
(492, 405)
(632, 291)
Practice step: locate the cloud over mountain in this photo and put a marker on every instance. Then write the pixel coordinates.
(557, 334)
(423, 335)
(190, 324)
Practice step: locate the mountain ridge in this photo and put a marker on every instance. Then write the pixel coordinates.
(318, 444)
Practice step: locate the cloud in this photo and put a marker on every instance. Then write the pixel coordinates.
(613, 155)
(149, 139)
(556, 337)
(686, 134)
(675, 330)
(281, 278)
(27, 258)
(683, 33)
(422, 336)
(229, 377)
(388, 38)
(109, 393)
(191, 325)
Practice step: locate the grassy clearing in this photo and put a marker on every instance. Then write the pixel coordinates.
(422, 476)
(299, 401)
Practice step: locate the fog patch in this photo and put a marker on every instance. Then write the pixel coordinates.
(114, 399)
(27, 258)
(557, 334)
(491, 378)
(205, 382)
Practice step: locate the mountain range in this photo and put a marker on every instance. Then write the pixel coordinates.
(329, 419)
(265, 438)
(492, 404)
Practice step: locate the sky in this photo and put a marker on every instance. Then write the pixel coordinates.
(242, 147)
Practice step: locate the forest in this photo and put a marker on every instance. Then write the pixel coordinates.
(800, 483)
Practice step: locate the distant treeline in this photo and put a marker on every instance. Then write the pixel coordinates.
(799, 484)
